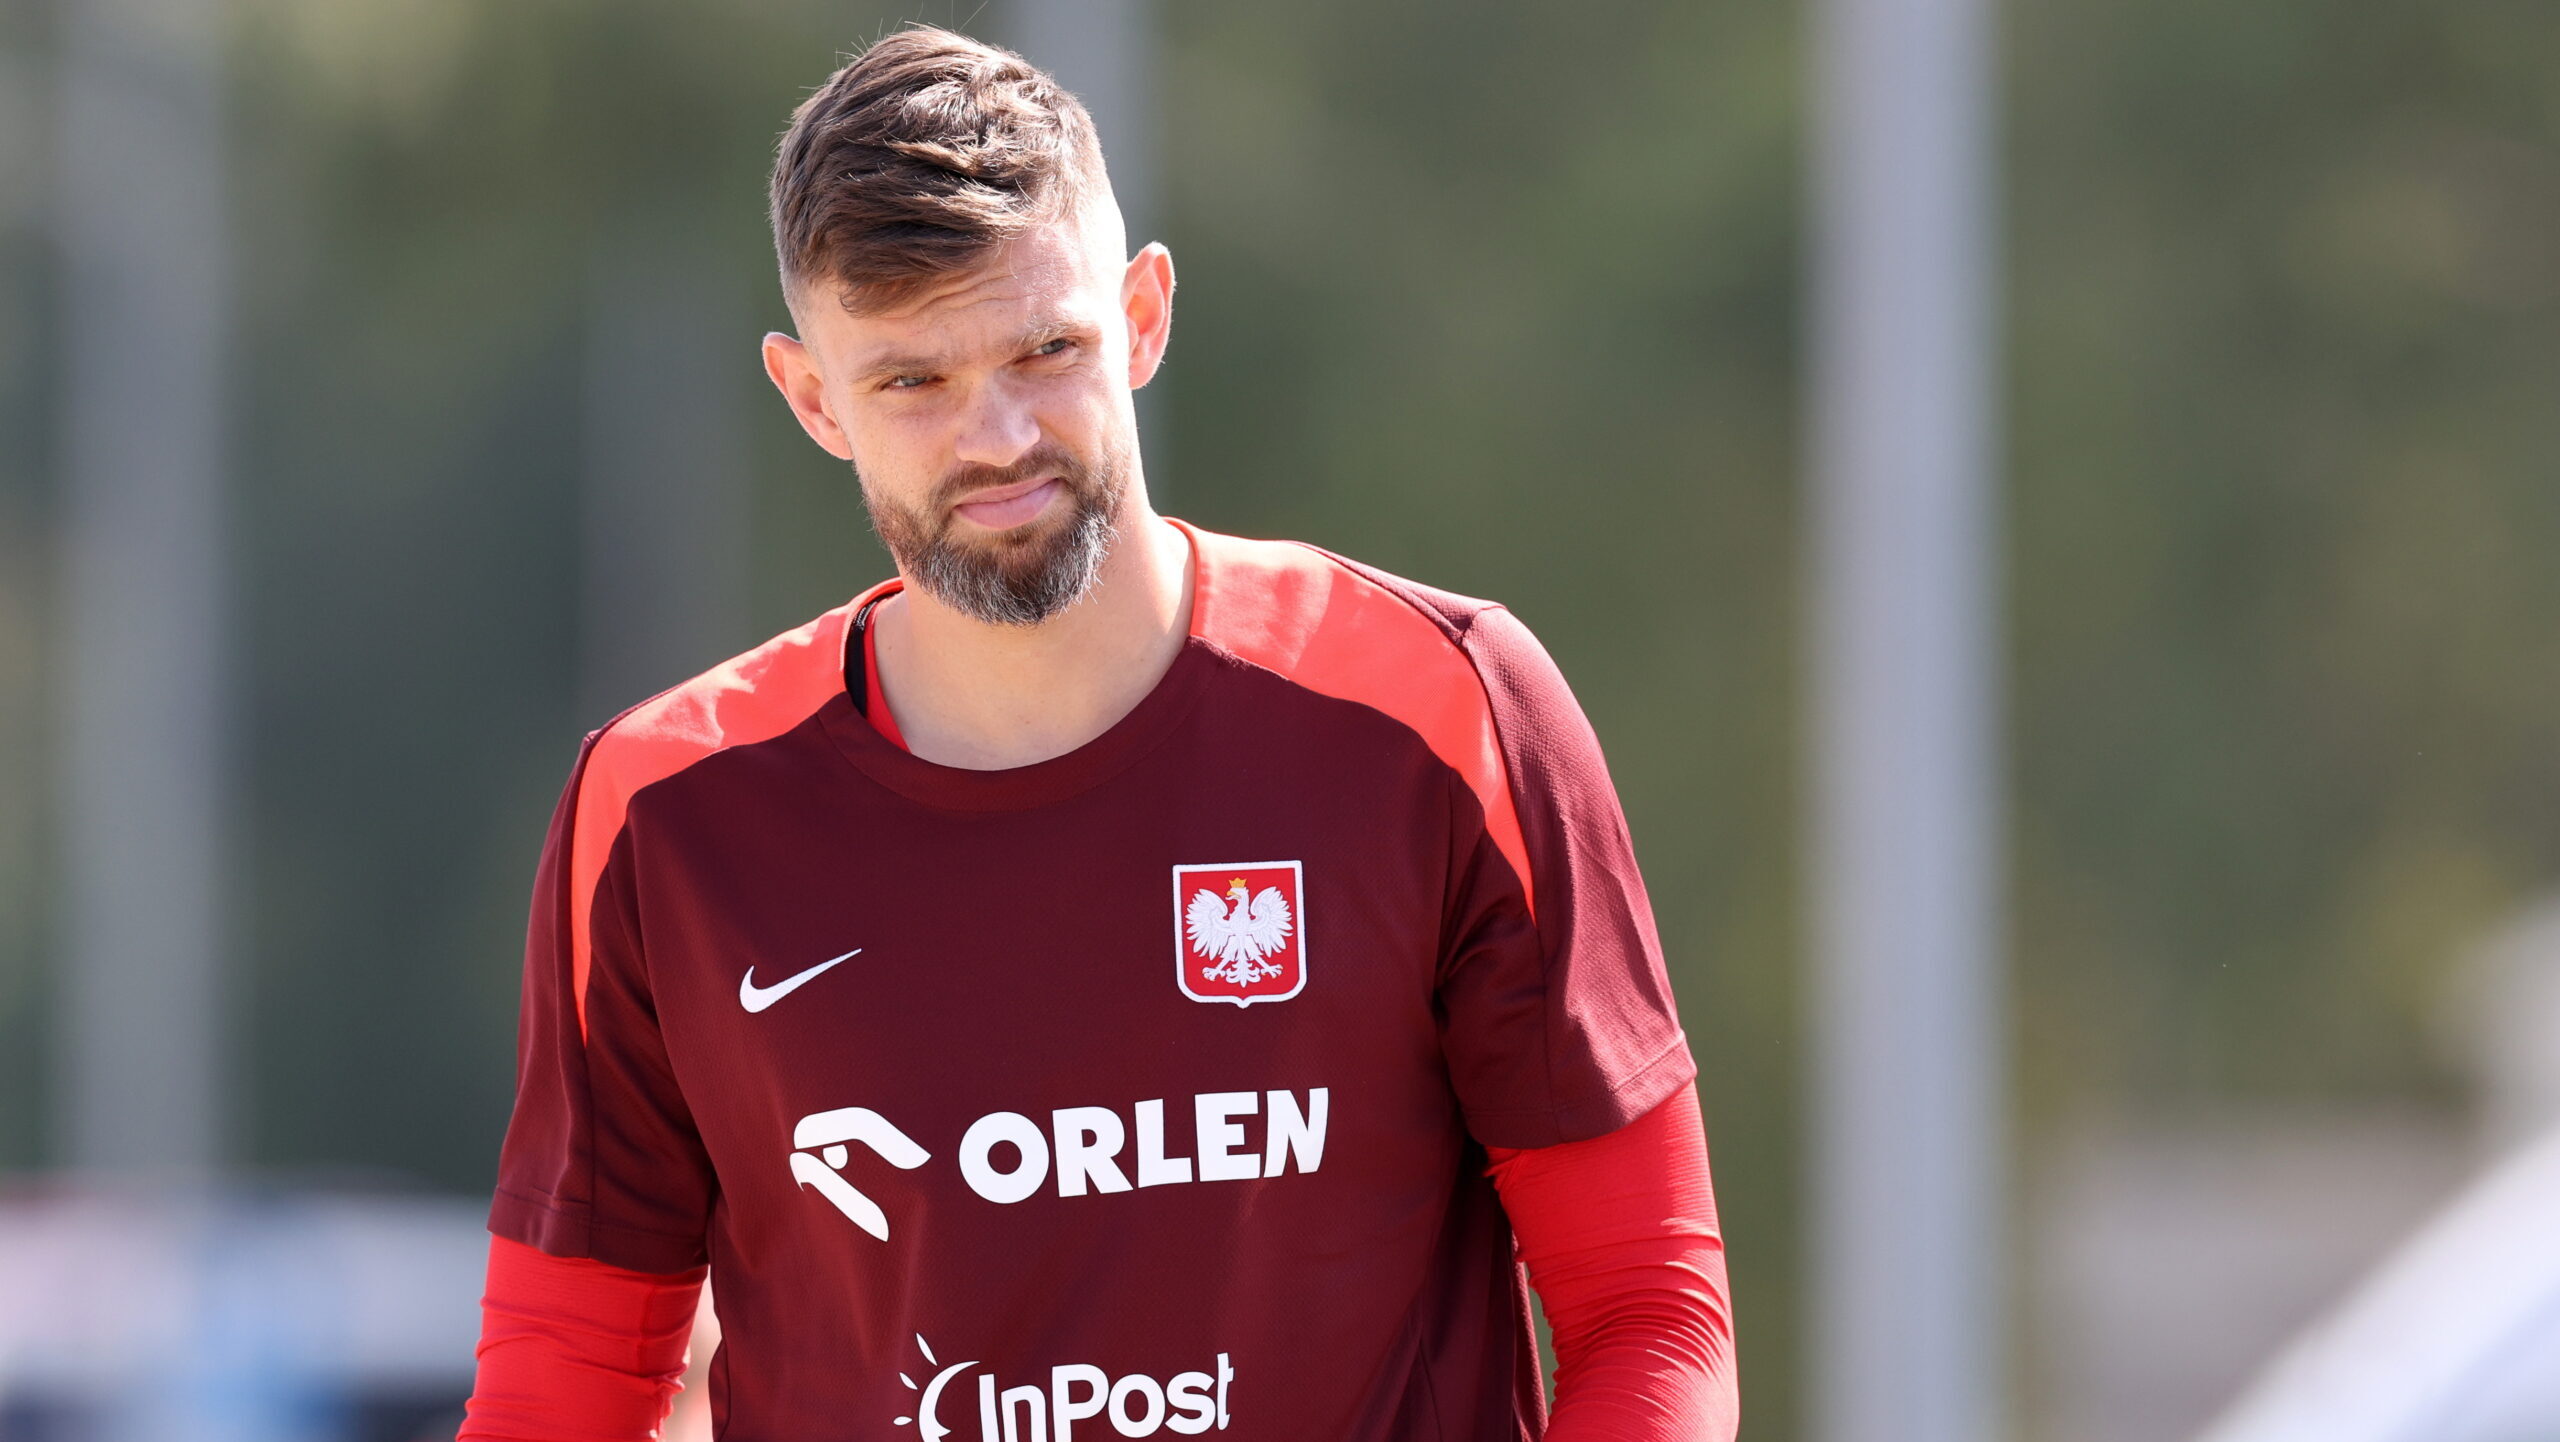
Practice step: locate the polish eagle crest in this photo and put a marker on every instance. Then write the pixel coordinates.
(1238, 934)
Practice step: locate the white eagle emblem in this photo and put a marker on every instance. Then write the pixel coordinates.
(1237, 934)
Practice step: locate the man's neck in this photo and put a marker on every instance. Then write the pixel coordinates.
(985, 697)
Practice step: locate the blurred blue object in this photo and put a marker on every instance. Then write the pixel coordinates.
(133, 1316)
(2455, 1338)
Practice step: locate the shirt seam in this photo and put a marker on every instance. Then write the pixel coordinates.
(582, 1215)
(1510, 781)
(1456, 632)
(1634, 1081)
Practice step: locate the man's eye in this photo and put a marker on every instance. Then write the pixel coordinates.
(907, 383)
(1054, 347)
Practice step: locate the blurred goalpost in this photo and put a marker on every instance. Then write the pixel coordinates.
(1903, 867)
(141, 232)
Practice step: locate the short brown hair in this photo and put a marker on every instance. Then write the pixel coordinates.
(916, 159)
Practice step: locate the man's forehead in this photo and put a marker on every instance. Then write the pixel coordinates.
(1041, 280)
(1020, 271)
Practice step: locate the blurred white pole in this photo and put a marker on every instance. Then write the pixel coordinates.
(138, 1085)
(1905, 821)
(1105, 53)
(664, 488)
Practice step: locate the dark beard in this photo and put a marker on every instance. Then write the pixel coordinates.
(1020, 577)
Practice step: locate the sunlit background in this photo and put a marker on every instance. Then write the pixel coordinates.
(444, 313)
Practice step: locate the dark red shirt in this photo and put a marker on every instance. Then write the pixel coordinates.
(1140, 1091)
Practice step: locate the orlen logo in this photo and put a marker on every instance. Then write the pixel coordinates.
(1006, 1157)
(830, 1131)
(1135, 1405)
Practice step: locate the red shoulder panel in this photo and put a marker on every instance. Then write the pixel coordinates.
(1296, 611)
(751, 698)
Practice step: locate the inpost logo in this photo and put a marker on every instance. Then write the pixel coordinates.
(1136, 1405)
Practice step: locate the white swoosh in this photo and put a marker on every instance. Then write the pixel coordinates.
(757, 998)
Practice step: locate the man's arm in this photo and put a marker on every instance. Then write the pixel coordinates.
(1568, 1057)
(603, 1181)
(573, 1350)
(1619, 1234)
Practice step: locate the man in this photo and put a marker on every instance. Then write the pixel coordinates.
(1112, 978)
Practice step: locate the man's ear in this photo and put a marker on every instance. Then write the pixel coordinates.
(1146, 300)
(795, 374)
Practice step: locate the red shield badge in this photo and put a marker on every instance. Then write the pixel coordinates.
(1240, 931)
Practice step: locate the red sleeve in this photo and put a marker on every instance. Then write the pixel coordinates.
(1619, 1235)
(602, 1159)
(573, 1350)
(1558, 1018)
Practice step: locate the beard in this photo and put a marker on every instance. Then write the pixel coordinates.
(1018, 577)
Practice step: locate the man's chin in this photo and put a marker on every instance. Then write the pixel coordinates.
(1027, 546)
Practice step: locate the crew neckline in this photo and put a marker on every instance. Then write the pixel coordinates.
(1040, 783)
(874, 700)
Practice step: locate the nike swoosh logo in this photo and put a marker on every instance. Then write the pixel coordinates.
(757, 998)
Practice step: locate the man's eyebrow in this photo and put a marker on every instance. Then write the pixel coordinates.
(897, 365)
(1031, 339)
(1061, 328)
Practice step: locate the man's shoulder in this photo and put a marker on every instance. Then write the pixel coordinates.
(1440, 662)
(1459, 672)
(1287, 596)
(753, 696)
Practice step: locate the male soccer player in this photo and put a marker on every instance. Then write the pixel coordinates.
(1111, 979)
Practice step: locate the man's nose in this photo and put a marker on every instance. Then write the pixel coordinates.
(997, 431)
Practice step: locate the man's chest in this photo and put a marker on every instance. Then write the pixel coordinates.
(1164, 987)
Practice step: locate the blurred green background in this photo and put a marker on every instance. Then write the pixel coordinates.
(1502, 296)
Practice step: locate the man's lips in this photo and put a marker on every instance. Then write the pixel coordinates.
(1004, 507)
